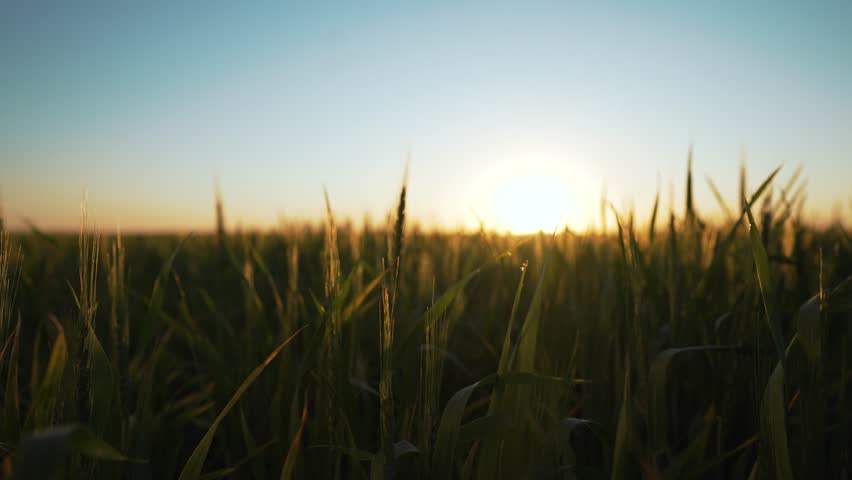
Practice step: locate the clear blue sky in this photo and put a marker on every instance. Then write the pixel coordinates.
(142, 106)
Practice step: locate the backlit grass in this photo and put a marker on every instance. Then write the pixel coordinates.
(678, 347)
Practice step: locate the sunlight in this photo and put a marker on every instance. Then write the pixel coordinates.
(527, 190)
(533, 203)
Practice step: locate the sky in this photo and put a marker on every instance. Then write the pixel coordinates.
(515, 114)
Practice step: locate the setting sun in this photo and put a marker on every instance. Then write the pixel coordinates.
(543, 190)
(534, 203)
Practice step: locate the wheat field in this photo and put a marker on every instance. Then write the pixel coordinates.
(676, 346)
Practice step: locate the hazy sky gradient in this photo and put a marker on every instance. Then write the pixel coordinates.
(142, 106)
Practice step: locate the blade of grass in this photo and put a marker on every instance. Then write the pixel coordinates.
(773, 428)
(761, 261)
(623, 430)
(295, 446)
(653, 224)
(719, 199)
(192, 468)
(44, 403)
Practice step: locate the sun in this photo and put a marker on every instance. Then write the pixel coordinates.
(531, 190)
(535, 202)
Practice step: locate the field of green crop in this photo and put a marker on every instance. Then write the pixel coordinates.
(669, 347)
